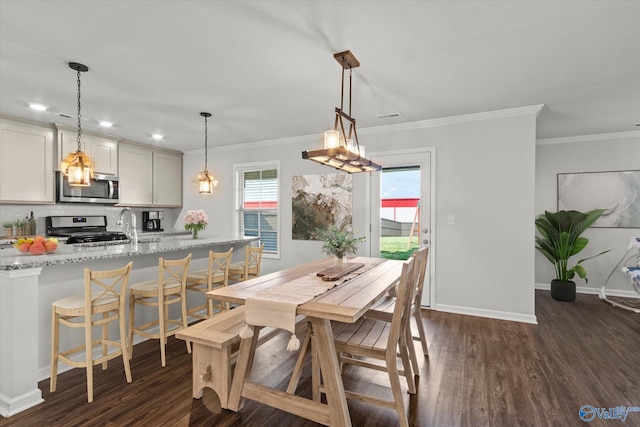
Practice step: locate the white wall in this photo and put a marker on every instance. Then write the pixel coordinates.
(593, 153)
(485, 177)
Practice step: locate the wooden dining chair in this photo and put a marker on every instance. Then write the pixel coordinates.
(168, 289)
(357, 343)
(103, 302)
(202, 281)
(250, 267)
(384, 307)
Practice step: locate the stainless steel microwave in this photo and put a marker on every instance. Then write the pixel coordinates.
(104, 189)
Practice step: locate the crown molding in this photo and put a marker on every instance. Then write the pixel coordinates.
(421, 124)
(587, 138)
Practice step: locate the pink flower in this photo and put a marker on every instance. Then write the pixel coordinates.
(195, 220)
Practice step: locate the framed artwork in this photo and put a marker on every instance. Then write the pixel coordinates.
(319, 201)
(617, 192)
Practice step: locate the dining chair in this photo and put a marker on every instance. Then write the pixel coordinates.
(103, 302)
(384, 307)
(357, 343)
(250, 267)
(168, 289)
(202, 281)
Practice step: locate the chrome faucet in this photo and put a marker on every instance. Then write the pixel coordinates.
(131, 231)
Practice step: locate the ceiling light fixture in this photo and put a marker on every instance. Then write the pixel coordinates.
(105, 124)
(157, 137)
(340, 151)
(206, 181)
(78, 166)
(38, 107)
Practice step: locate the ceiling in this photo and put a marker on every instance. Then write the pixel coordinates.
(265, 69)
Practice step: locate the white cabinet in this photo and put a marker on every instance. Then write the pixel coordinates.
(102, 150)
(26, 162)
(149, 177)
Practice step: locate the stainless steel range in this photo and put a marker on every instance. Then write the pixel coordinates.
(82, 229)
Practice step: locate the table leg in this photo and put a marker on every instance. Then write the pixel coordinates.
(244, 363)
(326, 350)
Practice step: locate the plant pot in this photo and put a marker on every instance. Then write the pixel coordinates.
(563, 291)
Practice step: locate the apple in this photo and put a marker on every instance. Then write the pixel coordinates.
(36, 248)
(50, 246)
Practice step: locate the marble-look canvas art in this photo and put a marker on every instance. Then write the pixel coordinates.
(319, 201)
(618, 193)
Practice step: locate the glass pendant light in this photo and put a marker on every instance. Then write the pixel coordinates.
(77, 166)
(206, 181)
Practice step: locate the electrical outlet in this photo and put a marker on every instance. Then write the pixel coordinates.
(450, 219)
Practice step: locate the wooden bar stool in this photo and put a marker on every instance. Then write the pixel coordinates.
(203, 281)
(168, 289)
(250, 267)
(103, 302)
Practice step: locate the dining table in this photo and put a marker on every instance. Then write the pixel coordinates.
(347, 301)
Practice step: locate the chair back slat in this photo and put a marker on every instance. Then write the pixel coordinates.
(173, 270)
(253, 259)
(219, 262)
(405, 294)
(100, 284)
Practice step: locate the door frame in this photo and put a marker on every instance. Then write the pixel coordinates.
(431, 270)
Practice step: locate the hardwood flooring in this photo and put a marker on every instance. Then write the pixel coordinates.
(480, 372)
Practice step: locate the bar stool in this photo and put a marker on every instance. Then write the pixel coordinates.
(168, 289)
(104, 298)
(250, 267)
(202, 281)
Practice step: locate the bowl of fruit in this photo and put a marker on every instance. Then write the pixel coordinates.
(36, 245)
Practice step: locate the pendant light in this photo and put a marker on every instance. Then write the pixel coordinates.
(206, 181)
(342, 150)
(77, 166)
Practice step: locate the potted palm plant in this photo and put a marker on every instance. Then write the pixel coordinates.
(560, 238)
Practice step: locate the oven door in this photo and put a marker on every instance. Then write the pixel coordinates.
(103, 189)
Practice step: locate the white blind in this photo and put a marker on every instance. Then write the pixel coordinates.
(257, 209)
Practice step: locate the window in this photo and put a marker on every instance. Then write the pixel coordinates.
(257, 204)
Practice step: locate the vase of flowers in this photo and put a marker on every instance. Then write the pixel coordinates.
(195, 220)
(339, 242)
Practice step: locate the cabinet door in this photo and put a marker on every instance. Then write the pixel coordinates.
(167, 179)
(136, 177)
(103, 151)
(26, 163)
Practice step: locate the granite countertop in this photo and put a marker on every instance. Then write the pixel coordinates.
(148, 243)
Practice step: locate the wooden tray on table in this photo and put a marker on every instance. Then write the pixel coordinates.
(336, 272)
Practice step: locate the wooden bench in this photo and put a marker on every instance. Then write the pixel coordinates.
(214, 342)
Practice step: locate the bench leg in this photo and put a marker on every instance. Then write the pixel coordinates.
(212, 368)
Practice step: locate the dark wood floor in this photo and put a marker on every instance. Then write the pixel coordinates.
(480, 372)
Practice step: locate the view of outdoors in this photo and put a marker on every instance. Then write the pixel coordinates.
(399, 212)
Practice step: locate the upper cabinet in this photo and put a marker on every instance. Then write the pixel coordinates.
(149, 176)
(26, 162)
(102, 150)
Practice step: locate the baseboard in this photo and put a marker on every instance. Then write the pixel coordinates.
(491, 314)
(9, 407)
(594, 291)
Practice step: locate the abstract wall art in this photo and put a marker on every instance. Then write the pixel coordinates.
(617, 192)
(319, 201)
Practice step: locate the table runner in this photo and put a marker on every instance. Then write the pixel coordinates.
(277, 306)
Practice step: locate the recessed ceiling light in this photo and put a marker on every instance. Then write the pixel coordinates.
(38, 107)
(387, 115)
(105, 124)
(157, 137)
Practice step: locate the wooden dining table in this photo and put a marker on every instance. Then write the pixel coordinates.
(346, 302)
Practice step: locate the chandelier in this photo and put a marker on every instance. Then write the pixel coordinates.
(342, 150)
(77, 166)
(206, 181)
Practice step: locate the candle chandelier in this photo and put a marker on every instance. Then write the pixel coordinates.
(342, 150)
(77, 166)
(206, 181)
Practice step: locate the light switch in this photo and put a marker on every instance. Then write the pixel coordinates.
(450, 219)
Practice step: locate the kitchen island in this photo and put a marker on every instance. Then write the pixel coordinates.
(30, 283)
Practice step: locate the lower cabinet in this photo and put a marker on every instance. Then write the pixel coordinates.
(26, 163)
(149, 177)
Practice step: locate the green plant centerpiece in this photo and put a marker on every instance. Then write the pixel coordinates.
(339, 241)
(560, 238)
